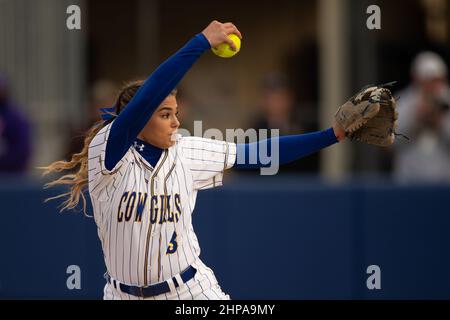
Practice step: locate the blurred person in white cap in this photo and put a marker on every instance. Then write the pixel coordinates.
(425, 118)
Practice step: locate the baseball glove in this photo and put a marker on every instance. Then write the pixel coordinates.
(370, 116)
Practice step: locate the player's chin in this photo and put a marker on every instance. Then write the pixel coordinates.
(170, 142)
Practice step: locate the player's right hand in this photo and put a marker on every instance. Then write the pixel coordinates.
(217, 33)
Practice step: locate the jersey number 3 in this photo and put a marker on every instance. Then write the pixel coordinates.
(173, 245)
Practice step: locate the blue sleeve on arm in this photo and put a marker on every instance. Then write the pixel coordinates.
(133, 118)
(291, 148)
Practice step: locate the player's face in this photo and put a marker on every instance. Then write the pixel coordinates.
(162, 125)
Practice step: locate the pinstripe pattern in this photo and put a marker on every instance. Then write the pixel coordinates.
(134, 238)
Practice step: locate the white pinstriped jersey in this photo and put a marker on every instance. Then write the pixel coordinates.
(144, 214)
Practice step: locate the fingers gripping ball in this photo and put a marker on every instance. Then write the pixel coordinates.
(224, 50)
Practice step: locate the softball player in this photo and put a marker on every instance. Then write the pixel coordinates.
(143, 181)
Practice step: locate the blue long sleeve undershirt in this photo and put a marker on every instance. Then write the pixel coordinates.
(291, 148)
(130, 122)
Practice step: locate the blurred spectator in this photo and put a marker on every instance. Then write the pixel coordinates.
(15, 133)
(279, 110)
(278, 107)
(103, 95)
(424, 117)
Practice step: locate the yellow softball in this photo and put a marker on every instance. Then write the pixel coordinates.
(224, 49)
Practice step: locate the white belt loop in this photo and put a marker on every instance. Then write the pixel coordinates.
(171, 286)
(115, 284)
(179, 280)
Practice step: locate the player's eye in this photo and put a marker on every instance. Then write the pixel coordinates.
(165, 116)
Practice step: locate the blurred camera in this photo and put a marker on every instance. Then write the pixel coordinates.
(441, 102)
(441, 105)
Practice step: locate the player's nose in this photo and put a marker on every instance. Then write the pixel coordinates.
(175, 122)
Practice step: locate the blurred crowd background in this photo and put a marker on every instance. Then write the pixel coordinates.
(299, 61)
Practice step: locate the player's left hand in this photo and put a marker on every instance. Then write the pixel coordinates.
(370, 116)
(339, 131)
